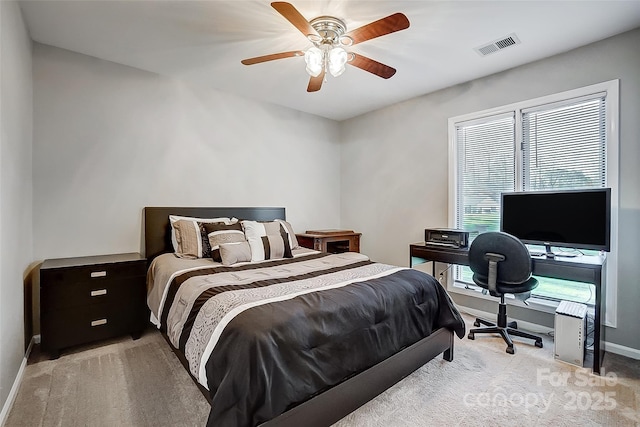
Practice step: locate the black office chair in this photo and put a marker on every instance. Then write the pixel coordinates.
(501, 263)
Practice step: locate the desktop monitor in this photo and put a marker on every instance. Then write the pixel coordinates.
(578, 219)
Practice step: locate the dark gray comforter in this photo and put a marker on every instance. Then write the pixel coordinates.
(266, 337)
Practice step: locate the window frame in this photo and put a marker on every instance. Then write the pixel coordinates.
(611, 90)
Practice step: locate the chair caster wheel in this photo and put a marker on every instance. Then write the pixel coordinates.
(471, 336)
(511, 350)
(539, 344)
(476, 324)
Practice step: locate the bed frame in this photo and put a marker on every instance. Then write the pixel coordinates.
(335, 403)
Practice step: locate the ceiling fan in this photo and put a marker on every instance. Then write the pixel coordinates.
(329, 37)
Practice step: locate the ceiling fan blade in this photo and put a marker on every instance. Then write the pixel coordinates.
(381, 27)
(315, 83)
(374, 67)
(265, 58)
(292, 15)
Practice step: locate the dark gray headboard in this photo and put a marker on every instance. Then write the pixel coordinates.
(157, 231)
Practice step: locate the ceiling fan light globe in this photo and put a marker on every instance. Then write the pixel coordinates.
(314, 72)
(336, 71)
(314, 59)
(337, 60)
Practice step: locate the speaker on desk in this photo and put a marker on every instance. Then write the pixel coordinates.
(446, 237)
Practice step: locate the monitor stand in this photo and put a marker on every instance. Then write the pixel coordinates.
(548, 252)
(552, 255)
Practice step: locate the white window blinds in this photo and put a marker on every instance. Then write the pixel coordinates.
(486, 157)
(564, 145)
(562, 141)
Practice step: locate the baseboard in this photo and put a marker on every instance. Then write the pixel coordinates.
(629, 352)
(16, 383)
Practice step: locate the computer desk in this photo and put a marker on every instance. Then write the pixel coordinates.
(587, 269)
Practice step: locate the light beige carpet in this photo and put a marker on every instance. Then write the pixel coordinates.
(142, 383)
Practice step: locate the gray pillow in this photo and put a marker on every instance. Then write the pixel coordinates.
(233, 253)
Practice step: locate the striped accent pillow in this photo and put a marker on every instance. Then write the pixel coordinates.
(269, 247)
(219, 233)
(254, 229)
(293, 240)
(269, 228)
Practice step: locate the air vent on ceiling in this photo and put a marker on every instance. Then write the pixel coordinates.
(496, 45)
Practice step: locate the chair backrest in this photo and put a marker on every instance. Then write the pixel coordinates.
(515, 269)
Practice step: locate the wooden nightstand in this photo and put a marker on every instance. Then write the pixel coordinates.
(91, 298)
(334, 241)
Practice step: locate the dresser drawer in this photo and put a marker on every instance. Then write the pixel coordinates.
(96, 291)
(88, 273)
(64, 328)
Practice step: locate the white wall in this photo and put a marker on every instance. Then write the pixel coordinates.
(110, 139)
(15, 189)
(395, 171)
(394, 176)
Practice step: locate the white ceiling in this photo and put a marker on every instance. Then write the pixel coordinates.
(202, 42)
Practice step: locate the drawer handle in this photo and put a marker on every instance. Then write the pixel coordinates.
(99, 322)
(98, 274)
(98, 292)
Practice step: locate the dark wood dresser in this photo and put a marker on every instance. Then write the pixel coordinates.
(331, 240)
(91, 298)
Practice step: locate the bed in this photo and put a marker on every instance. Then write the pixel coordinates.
(302, 339)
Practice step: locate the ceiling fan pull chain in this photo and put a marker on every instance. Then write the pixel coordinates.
(326, 65)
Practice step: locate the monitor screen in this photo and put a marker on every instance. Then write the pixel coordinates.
(573, 219)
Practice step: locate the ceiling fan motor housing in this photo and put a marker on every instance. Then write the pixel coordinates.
(331, 31)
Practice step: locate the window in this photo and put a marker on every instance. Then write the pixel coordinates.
(563, 141)
(486, 168)
(564, 145)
